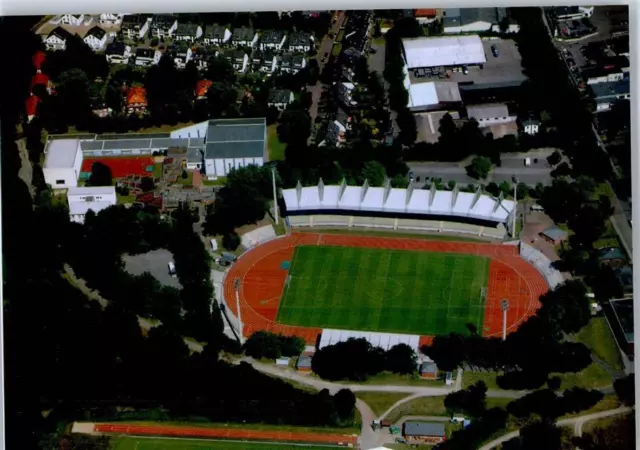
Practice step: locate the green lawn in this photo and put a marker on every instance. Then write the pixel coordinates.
(384, 290)
(388, 378)
(469, 377)
(394, 234)
(276, 148)
(422, 406)
(157, 170)
(379, 402)
(598, 338)
(186, 181)
(137, 443)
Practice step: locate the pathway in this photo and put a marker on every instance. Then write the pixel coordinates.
(576, 422)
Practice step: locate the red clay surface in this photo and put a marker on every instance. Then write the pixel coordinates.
(225, 433)
(121, 166)
(262, 280)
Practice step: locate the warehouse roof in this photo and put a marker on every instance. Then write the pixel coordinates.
(91, 190)
(236, 138)
(555, 233)
(424, 429)
(61, 154)
(487, 111)
(611, 89)
(443, 51)
(455, 17)
(397, 201)
(433, 93)
(382, 340)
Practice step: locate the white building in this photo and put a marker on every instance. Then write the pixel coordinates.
(475, 20)
(117, 53)
(244, 37)
(57, 39)
(110, 19)
(433, 95)
(531, 126)
(382, 340)
(443, 51)
(84, 199)
(272, 40)
(216, 35)
(135, 26)
(490, 114)
(96, 39)
(62, 163)
(74, 20)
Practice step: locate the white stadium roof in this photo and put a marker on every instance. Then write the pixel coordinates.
(443, 51)
(386, 199)
(382, 340)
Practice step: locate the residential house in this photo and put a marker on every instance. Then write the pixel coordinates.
(272, 40)
(349, 59)
(181, 54)
(136, 101)
(304, 363)
(554, 235)
(202, 56)
(490, 114)
(164, 26)
(280, 98)
(531, 126)
(99, 108)
(300, 42)
(292, 63)
(257, 57)
(84, 199)
(475, 20)
(110, 19)
(429, 370)
(612, 256)
(117, 53)
(345, 93)
(335, 133)
(244, 37)
(606, 94)
(421, 433)
(135, 26)
(147, 57)
(425, 16)
(96, 39)
(31, 107)
(216, 35)
(73, 20)
(189, 32)
(269, 62)
(57, 39)
(202, 87)
(239, 60)
(234, 143)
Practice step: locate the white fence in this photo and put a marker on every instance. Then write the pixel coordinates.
(542, 263)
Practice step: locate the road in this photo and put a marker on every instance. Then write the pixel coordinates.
(576, 422)
(512, 165)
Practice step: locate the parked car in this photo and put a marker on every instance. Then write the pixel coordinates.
(411, 176)
(494, 50)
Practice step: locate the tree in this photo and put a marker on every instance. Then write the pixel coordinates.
(220, 70)
(263, 344)
(73, 89)
(408, 128)
(554, 158)
(479, 167)
(294, 127)
(401, 359)
(578, 399)
(567, 306)
(292, 345)
(625, 389)
(100, 175)
(562, 170)
(541, 434)
(470, 401)
(354, 359)
(345, 403)
(374, 173)
(448, 352)
(221, 99)
(231, 241)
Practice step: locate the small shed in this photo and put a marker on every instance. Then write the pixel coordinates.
(282, 362)
(424, 432)
(554, 235)
(304, 363)
(429, 370)
(612, 256)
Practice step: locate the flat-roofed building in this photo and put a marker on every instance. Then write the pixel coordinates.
(62, 163)
(427, 52)
(84, 199)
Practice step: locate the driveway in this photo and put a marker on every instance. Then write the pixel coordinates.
(156, 263)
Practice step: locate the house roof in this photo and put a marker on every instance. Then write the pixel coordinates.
(443, 51)
(625, 275)
(428, 367)
(297, 60)
(61, 153)
(304, 362)
(163, 20)
(555, 233)
(424, 429)
(39, 78)
(299, 38)
(607, 253)
(610, 89)
(243, 34)
(115, 48)
(424, 12)
(91, 190)
(236, 138)
(272, 36)
(214, 31)
(187, 29)
(61, 33)
(202, 87)
(455, 17)
(531, 121)
(136, 95)
(487, 111)
(145, 53)
(97, 32)
(38, 58)
(133, 20)
(31, 105)
(279, 96)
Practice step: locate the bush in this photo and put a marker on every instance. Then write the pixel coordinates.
(231, 241)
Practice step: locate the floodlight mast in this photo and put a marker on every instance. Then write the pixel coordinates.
(236, 285)
(504, 305)
(515, 206)
(275, 198)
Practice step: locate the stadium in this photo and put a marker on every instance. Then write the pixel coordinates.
(328, 287)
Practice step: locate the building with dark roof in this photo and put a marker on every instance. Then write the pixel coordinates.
(188, 32)
(216, 35)
(164, 25)
(423, 432)
(554, 235)
(57, 39)
(473, 20)
(135, 26)
(272, 40)
(429, 370)
(280, 98)
(244, 36)
(606, 94)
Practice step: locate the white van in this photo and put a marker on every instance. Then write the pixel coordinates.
(527, 162)
(214, 245)
(448, 378)
(172, 269)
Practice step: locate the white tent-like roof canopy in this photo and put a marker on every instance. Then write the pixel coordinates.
(365, 199)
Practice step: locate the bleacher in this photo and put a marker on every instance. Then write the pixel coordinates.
(552, 276)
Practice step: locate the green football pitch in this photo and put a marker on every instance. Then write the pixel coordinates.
(393, 291)
(137, 443)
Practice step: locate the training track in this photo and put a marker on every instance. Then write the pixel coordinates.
(262, 280)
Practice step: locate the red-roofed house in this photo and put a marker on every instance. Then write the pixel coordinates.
(41, 79)
(424, 16)
(31, 107)
(136, 100)
(38, 59)
(202, 87)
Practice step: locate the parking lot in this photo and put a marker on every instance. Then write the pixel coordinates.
(155, 262)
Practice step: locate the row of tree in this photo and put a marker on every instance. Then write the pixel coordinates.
(263, 344)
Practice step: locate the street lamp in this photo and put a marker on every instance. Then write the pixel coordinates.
(504, 306)
(236, 285)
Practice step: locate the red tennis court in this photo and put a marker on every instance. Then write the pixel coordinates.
(121, 167)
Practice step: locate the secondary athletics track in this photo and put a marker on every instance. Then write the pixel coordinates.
(225, 433)
(262, 280)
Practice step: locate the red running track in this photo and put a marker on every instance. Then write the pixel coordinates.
(262, 280)
(225, 433)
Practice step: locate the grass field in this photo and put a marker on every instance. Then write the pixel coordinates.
(384, 290)
(137, 443)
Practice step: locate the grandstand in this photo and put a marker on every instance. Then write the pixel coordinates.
(398, 209)
(382, 340)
